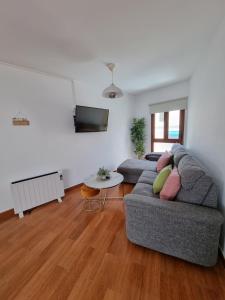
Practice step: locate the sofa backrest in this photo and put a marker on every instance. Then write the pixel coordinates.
(175, 147)
(197, 186)
(178, 152)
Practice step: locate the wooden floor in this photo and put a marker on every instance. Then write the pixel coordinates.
(60, 252)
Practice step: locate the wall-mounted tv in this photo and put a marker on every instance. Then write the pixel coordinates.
(90, 119)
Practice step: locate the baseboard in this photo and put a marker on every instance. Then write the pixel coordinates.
(5, 215)
(73, 187)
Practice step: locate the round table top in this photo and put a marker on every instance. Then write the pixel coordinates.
(95, 182)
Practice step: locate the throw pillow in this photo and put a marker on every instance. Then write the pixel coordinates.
(163, 161)
(171, 186)
(161, 179)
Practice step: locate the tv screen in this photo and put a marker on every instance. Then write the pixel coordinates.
(90, 119)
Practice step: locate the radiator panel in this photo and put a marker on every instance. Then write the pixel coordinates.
(31, 192)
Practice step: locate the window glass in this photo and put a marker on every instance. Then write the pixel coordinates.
(167, 128)
(159, 125)
(174, 124)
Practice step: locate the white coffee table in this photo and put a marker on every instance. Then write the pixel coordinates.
(96, 183)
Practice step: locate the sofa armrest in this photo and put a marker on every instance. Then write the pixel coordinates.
(153, 156)
(200, 214)
(184, 230)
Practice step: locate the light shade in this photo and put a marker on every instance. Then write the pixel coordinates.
(112, 92)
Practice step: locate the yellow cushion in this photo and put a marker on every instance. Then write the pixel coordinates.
(161, 179)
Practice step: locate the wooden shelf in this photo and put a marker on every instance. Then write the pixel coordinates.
(22, 122)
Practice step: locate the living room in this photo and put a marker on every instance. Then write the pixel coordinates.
(59, 56)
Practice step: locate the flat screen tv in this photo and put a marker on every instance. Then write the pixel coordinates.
(90, 119)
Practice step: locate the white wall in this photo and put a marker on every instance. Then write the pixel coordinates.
(140, 107)
(206, 122)
(50, 142)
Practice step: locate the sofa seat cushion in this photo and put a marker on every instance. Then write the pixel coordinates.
(144, 189)
(136, 166)
(147, 177)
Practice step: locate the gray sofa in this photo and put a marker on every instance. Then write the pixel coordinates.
(188, 227)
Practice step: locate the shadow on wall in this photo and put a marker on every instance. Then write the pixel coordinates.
(220, 184)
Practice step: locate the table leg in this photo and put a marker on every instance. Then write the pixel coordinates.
(103, 197)
(104, 200)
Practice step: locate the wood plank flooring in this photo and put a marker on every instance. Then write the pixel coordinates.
(59, 252)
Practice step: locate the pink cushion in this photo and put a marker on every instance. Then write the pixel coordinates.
(163, 161)
(171, 186)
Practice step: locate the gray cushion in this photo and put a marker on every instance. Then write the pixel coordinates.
(179, 153)
(190, 171)
(147, 177)
(144, 189)
(196, 186)
(176, 147)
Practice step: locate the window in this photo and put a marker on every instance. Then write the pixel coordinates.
(167, 128)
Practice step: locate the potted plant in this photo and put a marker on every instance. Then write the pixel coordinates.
(138, 136)
(103, 173)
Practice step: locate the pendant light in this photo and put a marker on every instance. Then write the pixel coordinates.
(112, 91)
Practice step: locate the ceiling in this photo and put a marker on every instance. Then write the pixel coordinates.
(153, 42)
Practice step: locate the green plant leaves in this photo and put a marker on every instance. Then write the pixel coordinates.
(138, 136)
(103, 172)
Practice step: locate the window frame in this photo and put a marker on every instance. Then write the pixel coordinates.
(165, 139)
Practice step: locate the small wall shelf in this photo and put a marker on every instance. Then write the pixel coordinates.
(20, 122)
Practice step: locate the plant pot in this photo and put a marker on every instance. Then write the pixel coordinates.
(102, 177)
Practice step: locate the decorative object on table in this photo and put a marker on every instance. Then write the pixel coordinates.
(103, 173)
(112, 91)
(90, 204)
(137, 133)
(20, 120)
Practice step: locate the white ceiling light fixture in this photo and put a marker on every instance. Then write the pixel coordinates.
(112, 91)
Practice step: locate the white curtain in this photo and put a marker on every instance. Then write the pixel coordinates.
(177, 104)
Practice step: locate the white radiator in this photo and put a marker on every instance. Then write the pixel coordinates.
(34, 191)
